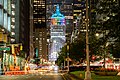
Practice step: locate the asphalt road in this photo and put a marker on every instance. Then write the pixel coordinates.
(35, 76)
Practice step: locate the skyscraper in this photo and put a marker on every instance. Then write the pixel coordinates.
(57, 32)
(31, 31)
(40, 30)
(14, 30)
(66, 8)
(21, 29)
(5, 20)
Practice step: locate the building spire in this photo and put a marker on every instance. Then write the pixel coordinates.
(57, 9)
(57, 12)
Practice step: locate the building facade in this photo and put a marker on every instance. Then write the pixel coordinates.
(66, 8)
(14, 33)
(57, 34)
(31, 47)
(20, 29)
(40, 29)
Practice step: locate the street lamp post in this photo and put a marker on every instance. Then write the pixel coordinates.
(68, 57)
(87, 73)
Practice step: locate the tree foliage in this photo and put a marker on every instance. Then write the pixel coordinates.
(76, 51)
(105, 20)
(107, 24)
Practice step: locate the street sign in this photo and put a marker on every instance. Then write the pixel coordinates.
(6, 48)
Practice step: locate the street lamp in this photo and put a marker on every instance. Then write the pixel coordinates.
(67, 58)
(68, 48)
(87, 73)
(97, 34)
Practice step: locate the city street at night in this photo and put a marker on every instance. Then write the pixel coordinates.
(59, 39)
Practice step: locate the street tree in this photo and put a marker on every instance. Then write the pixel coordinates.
(107, 24)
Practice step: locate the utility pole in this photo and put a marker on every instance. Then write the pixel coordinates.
(87, 73)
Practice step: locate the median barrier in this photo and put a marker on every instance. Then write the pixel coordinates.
(16, 72)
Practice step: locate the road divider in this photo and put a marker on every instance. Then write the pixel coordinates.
(16, 72)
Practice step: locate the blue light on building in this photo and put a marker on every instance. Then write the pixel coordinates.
(58, 18)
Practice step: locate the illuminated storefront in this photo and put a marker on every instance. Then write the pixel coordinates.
(5, 28)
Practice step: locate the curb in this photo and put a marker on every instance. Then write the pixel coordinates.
(67, 77)
(74, 77)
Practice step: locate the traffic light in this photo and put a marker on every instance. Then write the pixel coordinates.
(21, 47)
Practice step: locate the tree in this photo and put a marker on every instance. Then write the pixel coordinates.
(62, 55)
(106, 22)
(76, 51)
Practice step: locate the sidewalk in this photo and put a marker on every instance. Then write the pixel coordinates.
(74, 77)
(69, 76)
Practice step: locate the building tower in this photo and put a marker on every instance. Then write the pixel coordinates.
(57, 32)
(22, 29)
(31, 31)
(40, 31)
(66, 8)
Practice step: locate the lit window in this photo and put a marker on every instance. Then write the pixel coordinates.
(13, 19)
(39, 20)
(43, 20)
(13, 12)
(35, 0)
(43, 5)
(40, 49)
(40, 38)
(13, 5)
(13, 26)
(84, 17)
(36, 38)
(35, 5)
(12, 33)
(12, 40)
